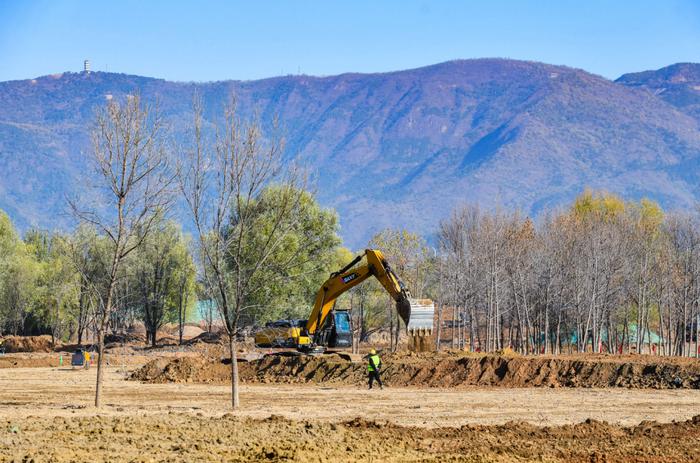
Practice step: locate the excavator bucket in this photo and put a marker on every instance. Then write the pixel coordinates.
(418, 315)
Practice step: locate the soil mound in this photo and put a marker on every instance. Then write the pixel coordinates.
(27, 344)
(124, 338)
(182, 370)
(205, 337)
(189, 331)
(440, 370)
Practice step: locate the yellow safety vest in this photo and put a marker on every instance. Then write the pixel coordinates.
(373, 360)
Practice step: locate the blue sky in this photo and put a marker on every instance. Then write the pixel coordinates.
(215, 40)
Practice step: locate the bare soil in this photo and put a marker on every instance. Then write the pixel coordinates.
(67, 392)
(62, 359)
(39, 353)
(27, 343)
(442, 370)
(46, 413)
(186, 437)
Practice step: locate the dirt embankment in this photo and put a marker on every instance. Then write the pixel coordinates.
(37, 351)
(184, 437)
(62, 359)
(26, 343)
(440, 370)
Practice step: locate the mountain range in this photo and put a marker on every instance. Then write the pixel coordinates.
(398, 149)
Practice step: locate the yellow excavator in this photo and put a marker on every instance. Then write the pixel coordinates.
(327, 327)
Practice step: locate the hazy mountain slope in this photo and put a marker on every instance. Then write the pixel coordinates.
(394, 149)
(678, 84)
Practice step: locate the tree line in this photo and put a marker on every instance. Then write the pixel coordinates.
(51, 282)
(604, 275)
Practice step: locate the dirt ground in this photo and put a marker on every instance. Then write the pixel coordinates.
(45, 415)
(62, 391)
(181, 437)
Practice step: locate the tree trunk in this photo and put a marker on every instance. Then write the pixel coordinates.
(696, 350)
(546, 328)
(180, 324)
(183, 299)
(100, 365)
(235, 400)
(439, 326)
(53, 330)
(558, 340)
(104, 319)
(454, 321)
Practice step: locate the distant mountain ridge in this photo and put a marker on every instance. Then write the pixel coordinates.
(398, 149)
(678, 84)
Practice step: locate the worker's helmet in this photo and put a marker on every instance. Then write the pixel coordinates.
(372, 351)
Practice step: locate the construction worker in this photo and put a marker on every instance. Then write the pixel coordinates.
(373, 366)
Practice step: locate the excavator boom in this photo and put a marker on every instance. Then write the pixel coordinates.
(416, 314)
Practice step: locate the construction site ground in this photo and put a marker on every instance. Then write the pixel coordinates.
(46, 415)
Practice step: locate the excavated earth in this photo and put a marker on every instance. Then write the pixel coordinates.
(447, 370)
(26, 343)
(179, 437)
(46, 416)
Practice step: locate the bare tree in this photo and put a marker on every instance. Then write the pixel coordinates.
(131, 189)
(222, 179)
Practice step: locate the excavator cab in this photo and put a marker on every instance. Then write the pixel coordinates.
(336, 330)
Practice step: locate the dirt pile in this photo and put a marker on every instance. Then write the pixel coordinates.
(184, 437)
(124, 338)
(441, 370)
(183, 370)
(206, 337)
(27, 344)
(189, 332)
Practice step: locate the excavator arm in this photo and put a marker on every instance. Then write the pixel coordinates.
(350, 276)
